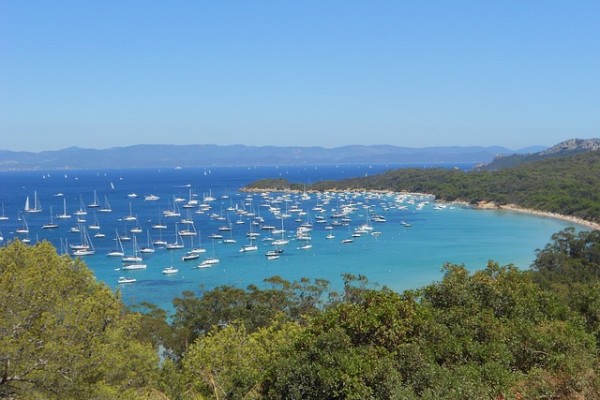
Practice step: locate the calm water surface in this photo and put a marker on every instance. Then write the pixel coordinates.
(397, 255)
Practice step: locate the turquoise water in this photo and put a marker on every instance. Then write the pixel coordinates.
(400, 257)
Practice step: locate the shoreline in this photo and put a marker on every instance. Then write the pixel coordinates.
(483, 205)
(531, 211)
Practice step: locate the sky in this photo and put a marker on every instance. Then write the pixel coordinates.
(101, 74)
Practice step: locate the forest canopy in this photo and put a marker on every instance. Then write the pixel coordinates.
(499, 332)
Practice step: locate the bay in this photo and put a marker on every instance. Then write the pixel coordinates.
(407, 251)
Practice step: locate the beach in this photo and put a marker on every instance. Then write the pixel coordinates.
(515, 208)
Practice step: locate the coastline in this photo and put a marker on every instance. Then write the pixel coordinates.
(547, 214)
(482, 205)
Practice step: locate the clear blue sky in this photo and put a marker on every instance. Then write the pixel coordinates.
(104, 73)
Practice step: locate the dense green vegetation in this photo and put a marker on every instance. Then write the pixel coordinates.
(498, 333)
(568, 185)
(63, 335)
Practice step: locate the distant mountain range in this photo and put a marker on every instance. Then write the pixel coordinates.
(170, 156)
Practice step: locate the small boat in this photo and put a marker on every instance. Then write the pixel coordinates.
(170, 270)
(133, 267)
(174, 246)
(95, 225)
(190, 256)
(85, 248)
(51, 224)
(123, 280)
(135, 257)
(106, 208)
(208, 262)
(151, 197)
(130, 217)
(272, 253)
(94, 203)
(83, 252)
(177, 244)
(149, 246)
(159, 225)
(81, 210)
(3, 217)
(64, 215)
(349, 240)
(248, 247)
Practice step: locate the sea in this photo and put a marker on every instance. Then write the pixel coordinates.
(398, 241)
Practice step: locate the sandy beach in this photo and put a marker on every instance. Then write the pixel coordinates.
(515, 208)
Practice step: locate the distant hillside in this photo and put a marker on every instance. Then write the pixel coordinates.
(563, 149)
(170, 156)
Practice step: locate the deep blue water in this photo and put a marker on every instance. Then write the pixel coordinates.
(400, 257)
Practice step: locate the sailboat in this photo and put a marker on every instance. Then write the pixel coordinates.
(51, 224)
(194, 253)
(25, 228)
(175, 245)
(209, 261)
(170, 269)
(189, 231)
(283, 240)
(230, 239)
(64, 215)
(106, 207)
(160, 241)
(86, 248)
(199, 249)
(137, 228)
(3, 217)
(250, 246)
(160, 224)
(81, 210)
(118, 252)
(149, 246)
(95, 226)
(134, 257)
(94, 203)
(130, 217)
(37, 207)
(133, 262)
(306, 246)
(192, 201)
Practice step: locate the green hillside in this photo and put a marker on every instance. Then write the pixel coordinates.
(567, 185)
(498, 333)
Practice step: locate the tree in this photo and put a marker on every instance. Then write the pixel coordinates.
(64, 335)
(230, 363)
